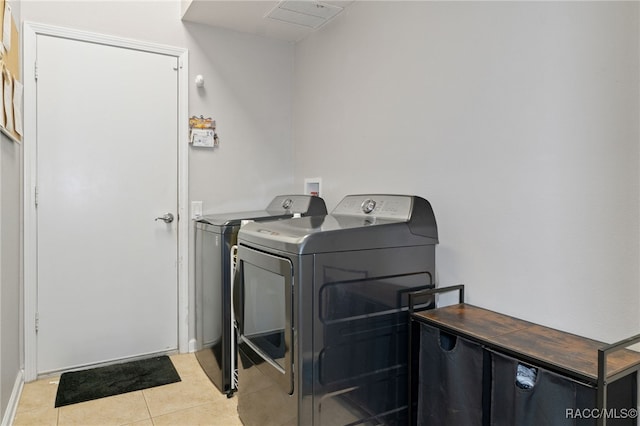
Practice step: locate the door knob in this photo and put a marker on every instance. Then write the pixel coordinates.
(167, 218)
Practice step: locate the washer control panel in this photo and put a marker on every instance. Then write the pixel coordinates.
(303, 204)
(396, 207)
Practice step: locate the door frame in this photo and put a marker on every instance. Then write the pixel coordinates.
(31, 31)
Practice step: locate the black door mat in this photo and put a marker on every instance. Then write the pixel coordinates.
(100, 382)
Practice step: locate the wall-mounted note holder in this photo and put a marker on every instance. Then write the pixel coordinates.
(203, 132)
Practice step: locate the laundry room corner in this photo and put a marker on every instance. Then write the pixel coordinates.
(311, 212)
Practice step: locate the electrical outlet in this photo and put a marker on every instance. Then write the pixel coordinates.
(196, 209)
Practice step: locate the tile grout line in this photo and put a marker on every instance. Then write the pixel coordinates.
(178, 410)
(146, 403)
(55, 397)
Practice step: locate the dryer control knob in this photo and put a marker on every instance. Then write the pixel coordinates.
(368, 206)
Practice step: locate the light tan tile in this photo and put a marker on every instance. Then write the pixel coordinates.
(215, 414)
(115, 410)
(189, 368)
(179, 396)
(38, 395)
(40, 417)
(184, 363)
(194, 389)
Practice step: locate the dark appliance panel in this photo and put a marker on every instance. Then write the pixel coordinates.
(215, 237)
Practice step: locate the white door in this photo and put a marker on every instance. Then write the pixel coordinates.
(107, 132)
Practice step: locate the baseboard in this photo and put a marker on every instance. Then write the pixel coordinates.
(12, 406)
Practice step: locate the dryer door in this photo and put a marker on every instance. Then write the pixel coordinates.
(263, 312)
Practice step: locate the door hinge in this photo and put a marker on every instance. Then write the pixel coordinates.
(35, 71)
(35, 196)
(37, 322)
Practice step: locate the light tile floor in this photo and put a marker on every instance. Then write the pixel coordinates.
(193, 401)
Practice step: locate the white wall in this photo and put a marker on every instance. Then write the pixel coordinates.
(11, 328)
(517, 120)
(10, 268)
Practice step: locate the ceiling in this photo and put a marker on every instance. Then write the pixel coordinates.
(302, 16)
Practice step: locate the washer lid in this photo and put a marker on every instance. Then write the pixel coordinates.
(236, 218)
(282, 206)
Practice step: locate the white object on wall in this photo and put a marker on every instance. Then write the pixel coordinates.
(196, 209)
(313, 186)
(203, 138)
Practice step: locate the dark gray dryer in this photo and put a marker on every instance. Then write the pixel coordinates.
(214, 237)
(321, 310)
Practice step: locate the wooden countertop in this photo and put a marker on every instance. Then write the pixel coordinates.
(558, 350)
